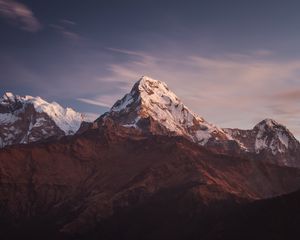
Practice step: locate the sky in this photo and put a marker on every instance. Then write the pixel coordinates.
(233, 62)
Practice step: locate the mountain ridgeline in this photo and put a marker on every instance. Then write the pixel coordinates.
(149, 168)
(151, 107)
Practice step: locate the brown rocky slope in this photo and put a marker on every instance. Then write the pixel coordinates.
(90, 185)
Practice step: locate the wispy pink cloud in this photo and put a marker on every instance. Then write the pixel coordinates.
(94, 102)
(20, 15)
(290, 95)
(63, 28)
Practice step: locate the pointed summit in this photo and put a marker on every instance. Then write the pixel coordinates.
(269, 141)
(151, 106)
(273, 136)
(268, 123)
(144, 91)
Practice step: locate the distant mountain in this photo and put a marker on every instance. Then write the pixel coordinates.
(30, 119)
(269, 141)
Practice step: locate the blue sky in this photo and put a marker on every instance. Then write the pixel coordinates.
(233, 62)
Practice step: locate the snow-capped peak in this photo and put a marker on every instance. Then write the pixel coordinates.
(65, 118)
(268, 123)
(270, 141)
(152, 99)
(147, 90)
(272, 135)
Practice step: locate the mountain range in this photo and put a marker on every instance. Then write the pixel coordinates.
(149, 168)
(152, 107)
(30, 119)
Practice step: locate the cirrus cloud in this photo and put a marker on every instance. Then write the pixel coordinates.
(94, 102)
(231, 90)
(64, 27)
(19, 15)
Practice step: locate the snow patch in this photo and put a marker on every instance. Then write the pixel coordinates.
(260, 144)
(123, 104)
(283, 139)
(8, 118)
(202, 137)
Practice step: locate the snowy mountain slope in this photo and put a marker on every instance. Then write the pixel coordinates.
(270, 141)
(152, 106)
(28, 119)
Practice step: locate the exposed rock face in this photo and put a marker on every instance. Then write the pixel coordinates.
(80, 182)
(29, 119)
(269, 141)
